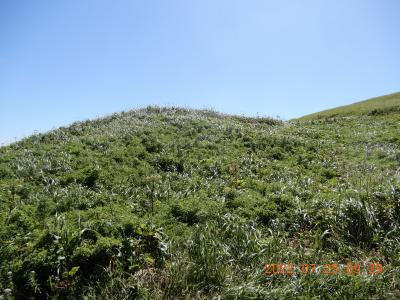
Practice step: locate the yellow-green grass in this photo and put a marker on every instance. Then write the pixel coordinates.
(379, 105)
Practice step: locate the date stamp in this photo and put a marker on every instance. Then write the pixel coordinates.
(350, 268)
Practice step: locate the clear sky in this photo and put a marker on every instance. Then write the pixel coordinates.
(64, 61)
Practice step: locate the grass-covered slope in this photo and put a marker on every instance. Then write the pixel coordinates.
(182, 204)
(376, 106)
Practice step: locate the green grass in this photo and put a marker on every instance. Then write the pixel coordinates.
(171, 203)
(379, 105)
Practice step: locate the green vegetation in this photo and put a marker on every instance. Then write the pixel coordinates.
(376, 106)
(168, 203)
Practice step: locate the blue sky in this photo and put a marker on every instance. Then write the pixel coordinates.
(63, 61)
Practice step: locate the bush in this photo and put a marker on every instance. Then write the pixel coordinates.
(194, 210)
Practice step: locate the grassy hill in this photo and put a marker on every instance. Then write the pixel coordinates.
(376, 106)
(168, 203)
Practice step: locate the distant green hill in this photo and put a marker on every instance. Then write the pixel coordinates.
(376, 106)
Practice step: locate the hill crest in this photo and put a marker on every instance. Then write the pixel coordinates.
(374, 106)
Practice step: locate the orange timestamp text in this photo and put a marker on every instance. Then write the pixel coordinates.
(350, 268)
